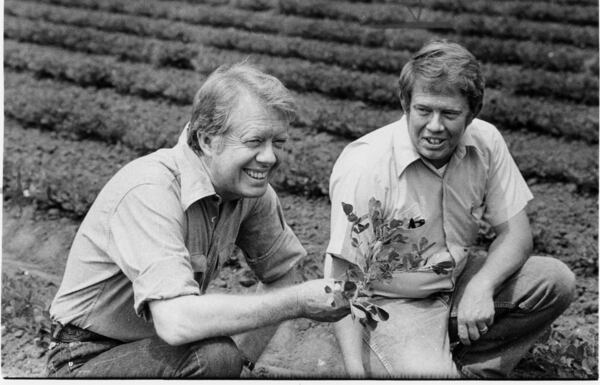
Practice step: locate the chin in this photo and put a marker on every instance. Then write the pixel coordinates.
(255, 192)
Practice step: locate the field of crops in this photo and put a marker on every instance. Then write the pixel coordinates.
(92, 84)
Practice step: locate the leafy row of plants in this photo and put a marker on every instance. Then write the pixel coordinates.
(344, 117)
(577, 3)
(103, 114)
(111, 117)
(577, 13)
(472, 24)
(146, 125)
(582, 87)
(511, 112)
(39, 166)
(553, 57)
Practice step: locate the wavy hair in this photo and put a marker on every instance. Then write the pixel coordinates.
(218, 97)
(444, 66)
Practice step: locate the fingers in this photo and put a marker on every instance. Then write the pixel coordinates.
(482, 328)
(469, 332)
(463, 333)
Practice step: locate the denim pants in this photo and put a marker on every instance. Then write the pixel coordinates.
(415, 342)
(147, 358)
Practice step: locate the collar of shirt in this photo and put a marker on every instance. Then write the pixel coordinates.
(195, 180)
(405, 152)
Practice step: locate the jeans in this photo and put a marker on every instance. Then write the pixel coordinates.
(415, 342)
(147, 358)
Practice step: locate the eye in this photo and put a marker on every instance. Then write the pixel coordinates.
(451, 114)
(279, 143)
(421, 110)
(253, 142)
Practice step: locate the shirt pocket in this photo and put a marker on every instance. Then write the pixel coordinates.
(414, 229)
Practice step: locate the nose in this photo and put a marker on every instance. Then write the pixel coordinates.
(435, 123)
(267, 155)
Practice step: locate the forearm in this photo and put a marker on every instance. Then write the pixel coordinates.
(348, 332)
(349, 335)
(193, 318)
(507, 253)
(252, 343)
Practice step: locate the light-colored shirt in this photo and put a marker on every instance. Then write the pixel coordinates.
(434, 215)
(158, 230)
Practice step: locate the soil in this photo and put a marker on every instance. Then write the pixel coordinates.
(36, 242)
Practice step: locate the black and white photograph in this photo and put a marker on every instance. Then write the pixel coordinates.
(300, 190)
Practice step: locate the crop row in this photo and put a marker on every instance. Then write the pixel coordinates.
(508, 3)
(472, 24)
(507, 111)
(553, 57)
(180, 86)
(577, 14)
(344, 117)
(38, 165)
(581, 88)
(145, 125)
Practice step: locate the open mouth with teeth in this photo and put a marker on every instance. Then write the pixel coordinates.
(258, 175)
(434, 141)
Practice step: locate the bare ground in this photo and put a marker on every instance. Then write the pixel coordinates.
(36, 242)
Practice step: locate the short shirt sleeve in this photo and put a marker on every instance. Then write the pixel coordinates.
(351, 187)
(269, 244)
(146, 240)
(507, 192)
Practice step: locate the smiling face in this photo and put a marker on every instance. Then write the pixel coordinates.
(436, 121)
(241, 162)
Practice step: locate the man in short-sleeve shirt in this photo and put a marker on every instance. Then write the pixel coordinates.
(133, 299)
(418, 191)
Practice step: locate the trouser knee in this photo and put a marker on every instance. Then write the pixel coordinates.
(556, 283)
(212, 358)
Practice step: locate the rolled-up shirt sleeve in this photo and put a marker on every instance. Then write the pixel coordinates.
(146, 240)
(352, 186)
(507, 192)
(270, 246)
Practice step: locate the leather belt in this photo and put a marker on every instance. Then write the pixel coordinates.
(71, 333)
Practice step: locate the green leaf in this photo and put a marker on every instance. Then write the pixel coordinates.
(354, 242)
(350, 286)
(348, 208)
(395, 223)
(445, 264)
(383, 315)
(369, 323)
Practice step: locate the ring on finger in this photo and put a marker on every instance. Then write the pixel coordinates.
(483, 330)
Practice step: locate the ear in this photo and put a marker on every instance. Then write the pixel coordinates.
(405, 107)
(469, 119)
(206, 143)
